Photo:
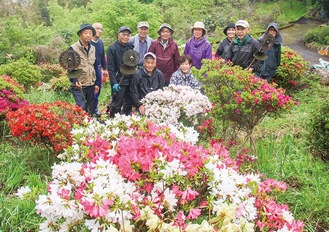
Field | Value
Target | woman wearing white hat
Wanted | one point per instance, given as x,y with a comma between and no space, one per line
198,47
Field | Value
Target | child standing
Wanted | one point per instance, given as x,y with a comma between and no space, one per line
270,65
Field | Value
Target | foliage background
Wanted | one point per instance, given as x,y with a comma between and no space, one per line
40,29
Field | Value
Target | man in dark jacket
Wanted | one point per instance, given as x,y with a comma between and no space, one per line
120,86
166,51
243,47
146,80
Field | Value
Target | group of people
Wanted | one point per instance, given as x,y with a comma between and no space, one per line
240,47
160,63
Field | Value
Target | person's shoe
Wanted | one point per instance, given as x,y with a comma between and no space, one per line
98,115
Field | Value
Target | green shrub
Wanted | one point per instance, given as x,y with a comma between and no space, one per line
22,71
319,35
319,131
60,84
291,70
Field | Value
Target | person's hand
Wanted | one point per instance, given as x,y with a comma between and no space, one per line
142,109
250,70
116,87
96,89
78,85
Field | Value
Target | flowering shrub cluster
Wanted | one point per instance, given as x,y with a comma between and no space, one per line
9,102
60,84
49,71
176,105
22,71
239,97
48,123
291,70
11,96
142,177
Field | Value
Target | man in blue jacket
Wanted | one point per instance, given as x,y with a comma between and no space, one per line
100,62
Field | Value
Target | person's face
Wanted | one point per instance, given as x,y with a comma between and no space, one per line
165,34
149,64
124,37
272,31
197,33
241,32
230,33
99,30
185,67
86,36
143,31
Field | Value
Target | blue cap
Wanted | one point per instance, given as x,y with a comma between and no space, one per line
124,28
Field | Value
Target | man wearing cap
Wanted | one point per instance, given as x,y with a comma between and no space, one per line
198,47
141,41
243,47
166,51
83,82
224,45
146,80
100,63
120,84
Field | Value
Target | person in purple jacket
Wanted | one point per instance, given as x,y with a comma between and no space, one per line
198,47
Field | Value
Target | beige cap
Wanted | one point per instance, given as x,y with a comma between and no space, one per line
242,23
143,24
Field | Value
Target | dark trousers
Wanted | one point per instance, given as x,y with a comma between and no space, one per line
85,98
121,99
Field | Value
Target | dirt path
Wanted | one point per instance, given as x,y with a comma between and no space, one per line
293,37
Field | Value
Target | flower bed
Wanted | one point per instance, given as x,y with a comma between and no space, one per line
129,174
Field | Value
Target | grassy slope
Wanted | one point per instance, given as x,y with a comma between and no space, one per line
283,154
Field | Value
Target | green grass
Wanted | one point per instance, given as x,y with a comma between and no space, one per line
284,154
280,11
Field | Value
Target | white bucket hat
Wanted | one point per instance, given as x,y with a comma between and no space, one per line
199,25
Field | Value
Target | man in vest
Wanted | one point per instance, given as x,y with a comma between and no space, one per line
83,84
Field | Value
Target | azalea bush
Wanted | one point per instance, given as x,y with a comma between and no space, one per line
11,96
240,100
176,105
292,69
49,71
22,71
48,124
60,84
138,176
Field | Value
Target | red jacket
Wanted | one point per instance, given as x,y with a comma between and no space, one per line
167,59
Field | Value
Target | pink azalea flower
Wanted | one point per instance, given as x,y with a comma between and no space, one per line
188,195
180,220
194,214
96,209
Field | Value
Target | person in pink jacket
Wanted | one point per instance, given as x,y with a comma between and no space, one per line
166,50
